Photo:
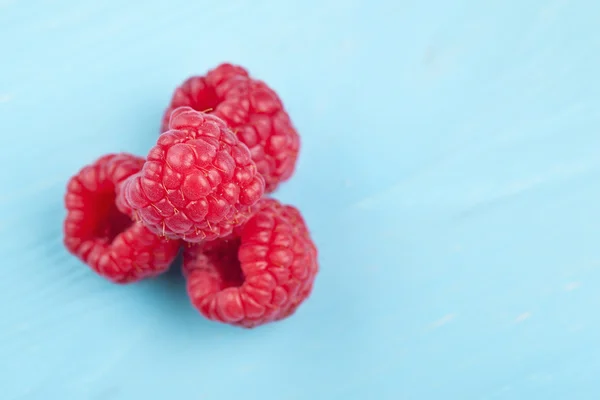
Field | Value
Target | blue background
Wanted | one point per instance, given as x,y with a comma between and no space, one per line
450,174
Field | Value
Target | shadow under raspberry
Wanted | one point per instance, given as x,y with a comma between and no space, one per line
169,295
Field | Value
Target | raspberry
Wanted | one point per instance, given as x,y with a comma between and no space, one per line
102,236
198,182
252,110
261,273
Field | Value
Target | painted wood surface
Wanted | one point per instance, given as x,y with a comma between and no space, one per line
450,173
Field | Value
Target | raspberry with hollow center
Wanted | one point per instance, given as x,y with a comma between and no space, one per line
252,110
102,236
198,182
259,274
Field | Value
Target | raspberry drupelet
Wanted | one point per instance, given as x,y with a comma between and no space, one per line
104,237
259,274
252,110
198,182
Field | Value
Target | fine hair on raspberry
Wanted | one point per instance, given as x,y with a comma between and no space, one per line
198,182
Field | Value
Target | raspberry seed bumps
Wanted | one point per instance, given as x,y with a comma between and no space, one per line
105,238
226,141
260,274
198,182
252,110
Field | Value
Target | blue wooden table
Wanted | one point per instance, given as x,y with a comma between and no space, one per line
450,174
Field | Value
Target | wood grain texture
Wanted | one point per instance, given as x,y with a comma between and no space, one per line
450,173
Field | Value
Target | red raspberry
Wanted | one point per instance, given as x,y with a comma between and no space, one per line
261,273
198,182
102,236
252,110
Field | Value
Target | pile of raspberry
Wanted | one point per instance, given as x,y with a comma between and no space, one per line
226,143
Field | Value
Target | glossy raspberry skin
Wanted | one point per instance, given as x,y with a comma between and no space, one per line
105,238
198,182
260,274
253,110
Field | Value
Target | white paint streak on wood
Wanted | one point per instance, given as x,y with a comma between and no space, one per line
523,317
572,286
443,321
